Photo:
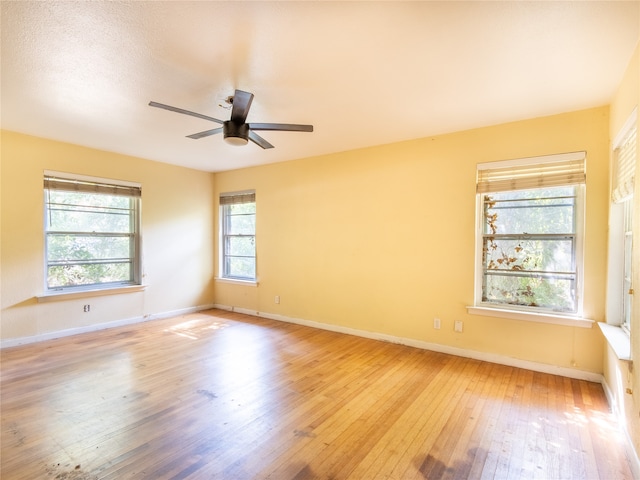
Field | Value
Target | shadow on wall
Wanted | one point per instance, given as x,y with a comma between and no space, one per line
29,302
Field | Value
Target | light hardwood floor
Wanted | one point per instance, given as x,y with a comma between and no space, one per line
221,395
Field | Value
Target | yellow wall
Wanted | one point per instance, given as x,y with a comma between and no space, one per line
620,375
177,237
382,239
378,239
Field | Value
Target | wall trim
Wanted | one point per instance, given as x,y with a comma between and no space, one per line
14,342
436,347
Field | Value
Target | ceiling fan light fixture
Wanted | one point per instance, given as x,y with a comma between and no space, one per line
236,141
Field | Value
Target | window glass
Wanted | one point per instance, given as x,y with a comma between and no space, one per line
92,239
238,232
529,248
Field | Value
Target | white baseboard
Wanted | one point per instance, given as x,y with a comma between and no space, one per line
14,342
436,347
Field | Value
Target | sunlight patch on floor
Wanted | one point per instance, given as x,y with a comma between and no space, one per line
196,328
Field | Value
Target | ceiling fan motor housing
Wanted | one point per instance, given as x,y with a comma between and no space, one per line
235,133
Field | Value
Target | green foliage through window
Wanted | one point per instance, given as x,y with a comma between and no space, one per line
91,238
529,248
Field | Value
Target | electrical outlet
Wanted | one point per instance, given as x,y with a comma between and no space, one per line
457,326
276,299
436,323
87,308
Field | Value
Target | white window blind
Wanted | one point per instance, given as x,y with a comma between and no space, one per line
85,186
536,172
624,157
237,198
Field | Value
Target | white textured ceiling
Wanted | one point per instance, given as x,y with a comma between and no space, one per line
363,73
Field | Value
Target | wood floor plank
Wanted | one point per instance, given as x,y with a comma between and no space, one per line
359,404
392,444
452,414
483,464
454,455
471,454
219,394
370,412
383,413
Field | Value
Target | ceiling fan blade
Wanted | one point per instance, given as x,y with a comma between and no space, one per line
241,104
186,112
287,127
206,133
258,140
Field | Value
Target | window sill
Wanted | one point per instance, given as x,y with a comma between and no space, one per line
618,340
233,281
56,296
532,317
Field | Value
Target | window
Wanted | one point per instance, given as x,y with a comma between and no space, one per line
620,288
238,236
92,233
627,286
530,234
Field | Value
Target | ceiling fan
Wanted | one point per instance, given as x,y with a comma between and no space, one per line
236,131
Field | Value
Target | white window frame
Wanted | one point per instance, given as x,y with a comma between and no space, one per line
627,270
245,196
619,283
136,241
525,312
